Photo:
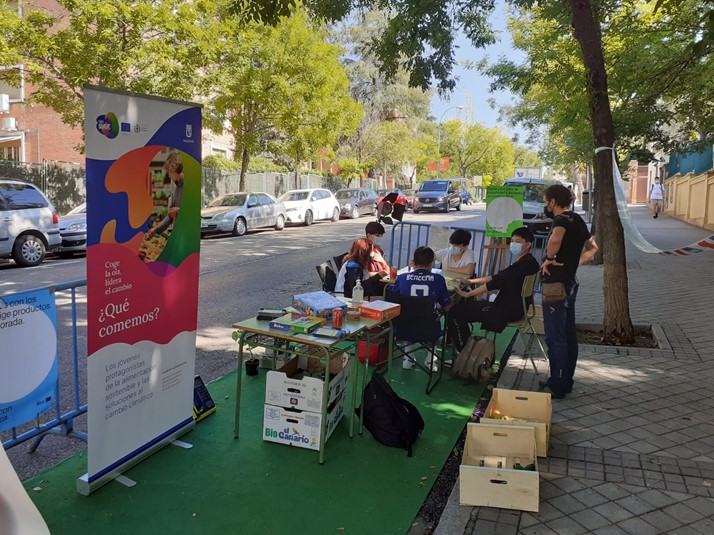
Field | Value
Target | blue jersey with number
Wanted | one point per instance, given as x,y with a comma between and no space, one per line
423,283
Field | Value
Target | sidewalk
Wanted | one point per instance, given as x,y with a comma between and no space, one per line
632,448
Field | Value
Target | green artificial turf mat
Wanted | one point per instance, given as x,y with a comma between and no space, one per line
248,486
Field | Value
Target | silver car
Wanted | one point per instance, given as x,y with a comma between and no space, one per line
239,212
355,202
28,223
73,229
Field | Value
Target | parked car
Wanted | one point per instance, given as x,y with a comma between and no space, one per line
303,206
238,213
73,230
28,223
533,189
401,198
438,195
410,195
355,202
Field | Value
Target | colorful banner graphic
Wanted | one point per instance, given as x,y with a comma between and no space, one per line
504,210
143,225
28,360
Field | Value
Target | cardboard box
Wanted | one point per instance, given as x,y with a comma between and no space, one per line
517,407
300,428
483,483
297,324
318,304
380,310
284,389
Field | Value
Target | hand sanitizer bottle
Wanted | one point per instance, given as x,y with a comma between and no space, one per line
357,294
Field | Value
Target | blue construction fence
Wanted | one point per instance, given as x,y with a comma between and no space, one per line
407,236
68,395
693,162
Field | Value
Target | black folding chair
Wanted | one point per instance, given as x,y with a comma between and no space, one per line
337,261
419,327
328,277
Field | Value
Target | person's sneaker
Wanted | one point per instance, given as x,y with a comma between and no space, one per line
407,364
656,216
434,365
544,387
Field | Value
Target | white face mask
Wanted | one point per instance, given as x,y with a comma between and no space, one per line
516,248
377,240
454,250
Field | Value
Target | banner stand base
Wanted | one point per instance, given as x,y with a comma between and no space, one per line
85,487
123,480
182,444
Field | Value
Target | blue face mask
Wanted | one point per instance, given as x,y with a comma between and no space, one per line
454,250
516,248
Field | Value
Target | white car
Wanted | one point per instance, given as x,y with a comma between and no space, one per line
304,206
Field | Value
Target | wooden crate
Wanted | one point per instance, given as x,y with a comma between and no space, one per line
523,408
483,483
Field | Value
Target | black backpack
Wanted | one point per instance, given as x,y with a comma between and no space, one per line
393,421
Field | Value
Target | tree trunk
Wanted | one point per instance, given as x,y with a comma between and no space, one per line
245,159
617,325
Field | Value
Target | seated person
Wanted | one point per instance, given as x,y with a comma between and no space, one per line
356,267
421,282
458,258
375,233
507,306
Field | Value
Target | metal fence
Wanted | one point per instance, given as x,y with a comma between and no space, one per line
65,184
217,182
407,236
60,423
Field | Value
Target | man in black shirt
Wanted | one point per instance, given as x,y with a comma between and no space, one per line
569,245
508,305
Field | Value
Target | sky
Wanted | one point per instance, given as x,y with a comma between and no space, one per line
474,86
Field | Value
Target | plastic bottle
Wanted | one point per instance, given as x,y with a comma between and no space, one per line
357,294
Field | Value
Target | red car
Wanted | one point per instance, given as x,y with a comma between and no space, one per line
401,198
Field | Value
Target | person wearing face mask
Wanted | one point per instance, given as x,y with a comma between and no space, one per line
508,306
375,233
569,245
458,258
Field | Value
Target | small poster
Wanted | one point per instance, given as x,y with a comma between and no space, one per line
28,360
504,210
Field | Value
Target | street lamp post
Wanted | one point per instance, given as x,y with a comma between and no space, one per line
438,142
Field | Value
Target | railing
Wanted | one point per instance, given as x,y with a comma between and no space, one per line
62,424
407,236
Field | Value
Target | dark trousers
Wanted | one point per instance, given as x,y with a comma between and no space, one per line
562,341
461,315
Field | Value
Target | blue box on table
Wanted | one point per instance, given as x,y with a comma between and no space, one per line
318,304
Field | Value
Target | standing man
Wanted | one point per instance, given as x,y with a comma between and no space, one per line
657,197
569,245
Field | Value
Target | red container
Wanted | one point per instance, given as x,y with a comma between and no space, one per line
337,318
393,273
378,352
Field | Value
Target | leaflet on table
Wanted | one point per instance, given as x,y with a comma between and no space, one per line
297,324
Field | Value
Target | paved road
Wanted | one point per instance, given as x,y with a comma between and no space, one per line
237,277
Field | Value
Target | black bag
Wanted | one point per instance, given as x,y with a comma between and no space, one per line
393,421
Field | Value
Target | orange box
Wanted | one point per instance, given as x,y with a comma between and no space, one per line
380,310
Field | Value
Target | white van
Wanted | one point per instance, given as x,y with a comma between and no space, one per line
28,223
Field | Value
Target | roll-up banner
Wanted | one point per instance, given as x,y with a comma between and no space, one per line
143,223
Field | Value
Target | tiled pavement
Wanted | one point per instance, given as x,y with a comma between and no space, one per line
632,448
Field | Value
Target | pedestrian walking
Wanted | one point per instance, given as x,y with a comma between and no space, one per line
656,197
569,245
